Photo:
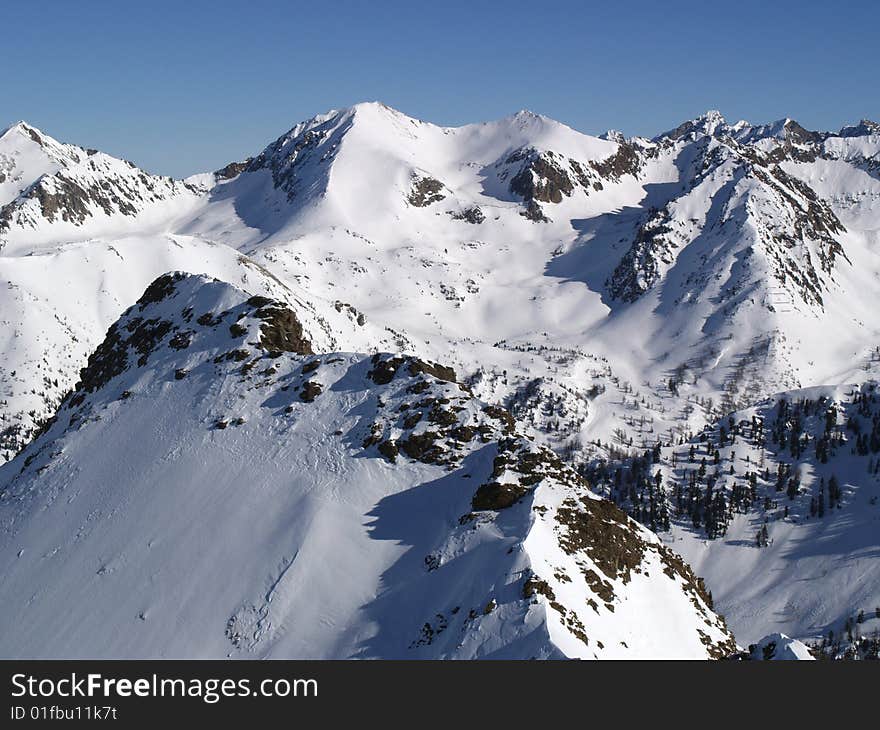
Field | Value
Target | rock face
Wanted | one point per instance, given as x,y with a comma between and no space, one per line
302,155
26,154
550,177
793,233
426,523
232,170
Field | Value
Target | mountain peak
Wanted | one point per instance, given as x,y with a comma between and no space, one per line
527,118
707,124
710,121
374,106
864,128
178,309
27,130
28,155
527,114
613,135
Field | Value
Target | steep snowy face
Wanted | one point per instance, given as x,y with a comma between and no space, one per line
369,164
26,154
253,499
739,207
740,267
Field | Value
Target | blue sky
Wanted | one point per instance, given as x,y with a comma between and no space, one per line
184,86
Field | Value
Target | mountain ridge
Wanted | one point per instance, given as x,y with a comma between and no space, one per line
512,555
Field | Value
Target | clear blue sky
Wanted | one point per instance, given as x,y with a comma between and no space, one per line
184,86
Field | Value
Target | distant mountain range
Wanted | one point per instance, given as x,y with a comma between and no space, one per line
614,302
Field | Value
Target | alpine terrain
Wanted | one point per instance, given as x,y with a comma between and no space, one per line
390,389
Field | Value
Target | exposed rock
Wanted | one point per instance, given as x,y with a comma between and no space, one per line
424,191
542,179
282,331
233,169
471,215
534,213
496,496
625,161
310,391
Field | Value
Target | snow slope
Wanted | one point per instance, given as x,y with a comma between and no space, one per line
252,499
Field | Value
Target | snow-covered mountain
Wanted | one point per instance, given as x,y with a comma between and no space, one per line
612,293
51,191
71,263
26,155
715,253
281,503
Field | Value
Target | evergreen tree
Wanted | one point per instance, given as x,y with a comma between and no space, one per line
834,492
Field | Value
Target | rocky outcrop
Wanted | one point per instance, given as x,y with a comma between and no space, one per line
425,191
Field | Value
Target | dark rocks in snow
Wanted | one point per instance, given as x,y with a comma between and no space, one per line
160,289
534,213
471,215
282,331
542,179
441,372
389,450
424,447
602,530
236,330
310,391
385,368
425,191
497,496
626,161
